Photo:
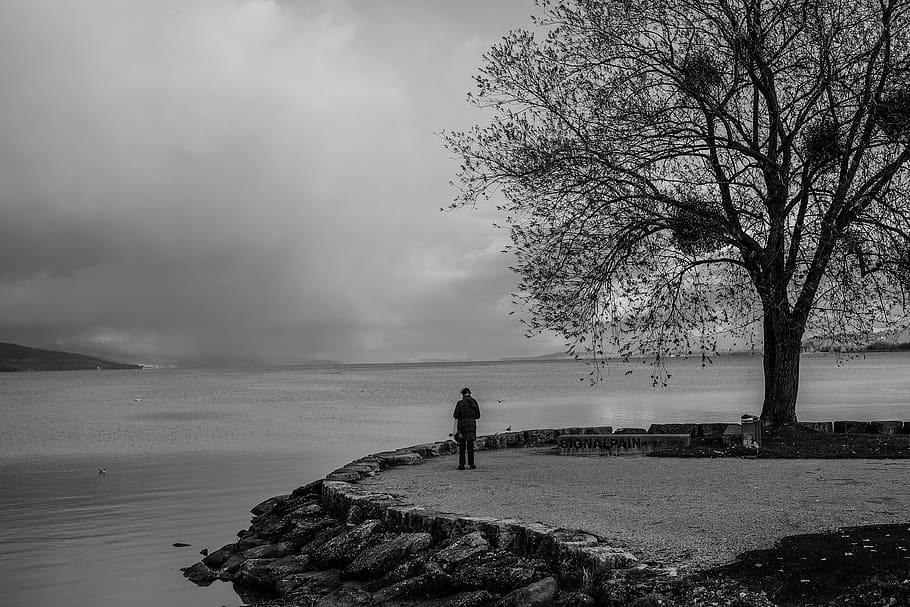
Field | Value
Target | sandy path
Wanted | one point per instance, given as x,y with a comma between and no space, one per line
689,512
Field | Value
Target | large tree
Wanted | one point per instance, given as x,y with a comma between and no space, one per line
673,170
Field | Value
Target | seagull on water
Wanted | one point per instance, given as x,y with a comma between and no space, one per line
102,471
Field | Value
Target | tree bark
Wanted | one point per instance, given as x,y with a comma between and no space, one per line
783,339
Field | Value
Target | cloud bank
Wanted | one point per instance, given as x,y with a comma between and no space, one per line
246,181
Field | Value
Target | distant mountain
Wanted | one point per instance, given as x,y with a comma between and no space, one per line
881,340
22,358
550,356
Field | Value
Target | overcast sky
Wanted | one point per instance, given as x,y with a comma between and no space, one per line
193,180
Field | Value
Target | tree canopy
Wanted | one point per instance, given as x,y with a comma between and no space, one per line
675,170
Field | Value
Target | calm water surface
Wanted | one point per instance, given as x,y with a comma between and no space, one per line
188,452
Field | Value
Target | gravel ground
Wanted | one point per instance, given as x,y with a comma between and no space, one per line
692,513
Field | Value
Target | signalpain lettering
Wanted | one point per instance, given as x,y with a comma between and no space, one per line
602,443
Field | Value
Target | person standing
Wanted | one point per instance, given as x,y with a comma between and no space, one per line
467,411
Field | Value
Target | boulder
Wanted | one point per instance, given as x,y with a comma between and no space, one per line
434,582
408,569
267,551
346,597
462,549
313,583
305,531
428,450
344,548
498,571
200,574
252,571
271,526
575,599
354,516
268,572
313,489
477,598
321,537
343,475
216,559
379,559
268,505
652,599
390,459
541,592
250,541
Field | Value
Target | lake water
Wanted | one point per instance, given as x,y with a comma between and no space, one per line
188,452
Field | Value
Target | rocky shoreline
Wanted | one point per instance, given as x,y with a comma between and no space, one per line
335,543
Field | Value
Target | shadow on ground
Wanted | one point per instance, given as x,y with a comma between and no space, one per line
867,565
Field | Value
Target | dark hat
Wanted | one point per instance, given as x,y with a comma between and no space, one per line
465,391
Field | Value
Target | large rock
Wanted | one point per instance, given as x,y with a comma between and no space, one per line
575,599
476,598
251,571
346,597
200,574
323,536
431,584
408,569
498,571
266,507
377,560
267,551
305,531
299,586
267,572
216,559
271,527
342,549
539,593
390,459
462,549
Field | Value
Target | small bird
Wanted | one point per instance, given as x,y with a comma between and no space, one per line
509,429
102,471
204,552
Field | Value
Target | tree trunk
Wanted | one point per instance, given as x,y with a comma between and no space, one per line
781,361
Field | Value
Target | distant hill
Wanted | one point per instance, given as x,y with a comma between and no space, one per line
884,340
22,358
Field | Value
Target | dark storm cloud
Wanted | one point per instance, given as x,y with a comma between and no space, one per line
245,180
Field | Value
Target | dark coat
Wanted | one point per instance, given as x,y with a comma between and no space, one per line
467,411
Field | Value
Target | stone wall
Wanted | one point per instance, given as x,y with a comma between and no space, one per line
332,542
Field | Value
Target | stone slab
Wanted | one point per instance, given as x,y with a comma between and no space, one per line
851,427
825,427
619,444
885,427
690,429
